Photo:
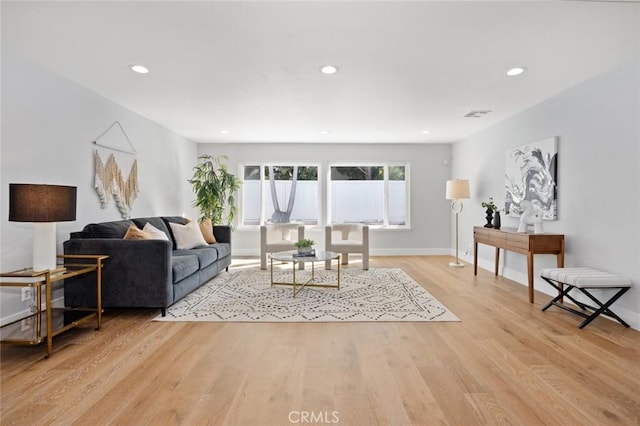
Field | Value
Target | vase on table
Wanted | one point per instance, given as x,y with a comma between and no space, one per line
496,220
489,218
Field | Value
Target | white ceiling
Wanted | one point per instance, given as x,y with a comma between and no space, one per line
252,68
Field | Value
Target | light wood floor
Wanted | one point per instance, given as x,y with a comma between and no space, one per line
504,363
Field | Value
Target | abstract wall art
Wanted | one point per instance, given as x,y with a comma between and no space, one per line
531,173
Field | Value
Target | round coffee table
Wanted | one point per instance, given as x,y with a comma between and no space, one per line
292,256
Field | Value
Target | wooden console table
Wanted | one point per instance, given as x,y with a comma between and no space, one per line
518,242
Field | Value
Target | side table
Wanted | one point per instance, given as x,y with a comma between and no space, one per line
29,330
290,256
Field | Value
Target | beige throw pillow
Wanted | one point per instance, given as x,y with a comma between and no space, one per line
135,233
207,231
187,236
155,233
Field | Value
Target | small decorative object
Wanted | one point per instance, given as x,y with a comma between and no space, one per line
496,220
305,247
490,207
530,216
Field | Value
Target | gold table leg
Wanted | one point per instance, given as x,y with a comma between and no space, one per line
295,293
297,287
49,313
99,292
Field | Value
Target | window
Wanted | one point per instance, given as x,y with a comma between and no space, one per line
280,194
374,194
370,194
397,195
251,196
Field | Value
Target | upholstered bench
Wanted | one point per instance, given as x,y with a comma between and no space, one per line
585,279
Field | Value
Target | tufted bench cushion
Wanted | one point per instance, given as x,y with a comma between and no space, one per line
585,279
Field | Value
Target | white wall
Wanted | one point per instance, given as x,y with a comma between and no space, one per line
48,125
598,125
429,211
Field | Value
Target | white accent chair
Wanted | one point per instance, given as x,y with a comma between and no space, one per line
279,237
347,238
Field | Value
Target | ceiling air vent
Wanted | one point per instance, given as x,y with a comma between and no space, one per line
478,113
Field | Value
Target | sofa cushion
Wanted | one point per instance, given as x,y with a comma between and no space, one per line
135,233
183,266
187,236
173,219
223,249
116,229
155,233
206,255
207,231
156,222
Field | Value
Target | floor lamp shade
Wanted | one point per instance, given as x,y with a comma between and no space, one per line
44,205
457,190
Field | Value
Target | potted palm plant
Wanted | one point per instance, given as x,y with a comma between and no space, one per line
215,190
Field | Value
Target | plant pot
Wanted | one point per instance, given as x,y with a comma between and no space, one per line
304,251
496,220
489,218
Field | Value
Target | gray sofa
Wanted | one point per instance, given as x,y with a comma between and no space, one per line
143,273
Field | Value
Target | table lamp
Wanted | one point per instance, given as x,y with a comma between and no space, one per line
43,205
457,190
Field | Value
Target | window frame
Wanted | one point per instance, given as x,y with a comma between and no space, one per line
385,196
263,165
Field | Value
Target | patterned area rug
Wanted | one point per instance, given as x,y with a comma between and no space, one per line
247,296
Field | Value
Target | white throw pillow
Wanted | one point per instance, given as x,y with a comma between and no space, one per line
155,233
187,236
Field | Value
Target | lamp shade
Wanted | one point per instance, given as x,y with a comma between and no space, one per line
457,189
42,203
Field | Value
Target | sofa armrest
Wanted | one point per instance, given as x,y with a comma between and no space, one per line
137,274
222,233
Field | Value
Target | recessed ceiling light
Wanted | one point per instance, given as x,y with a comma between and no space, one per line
329,69
224,132
325,132
516,71
425,132
140,69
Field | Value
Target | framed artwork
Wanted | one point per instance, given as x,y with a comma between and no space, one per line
531,173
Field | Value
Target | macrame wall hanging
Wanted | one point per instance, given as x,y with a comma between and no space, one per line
109,180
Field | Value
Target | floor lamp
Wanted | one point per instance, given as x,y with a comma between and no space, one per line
457,190
44,205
